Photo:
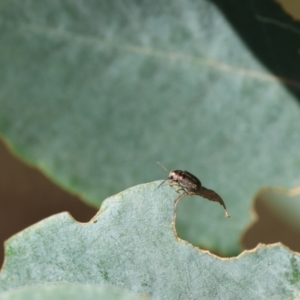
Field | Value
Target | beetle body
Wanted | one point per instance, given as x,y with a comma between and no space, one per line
186,181
191,185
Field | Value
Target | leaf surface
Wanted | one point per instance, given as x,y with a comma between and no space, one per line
63,291
131,244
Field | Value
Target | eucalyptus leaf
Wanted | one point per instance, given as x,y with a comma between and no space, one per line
64,291
95,92
131,244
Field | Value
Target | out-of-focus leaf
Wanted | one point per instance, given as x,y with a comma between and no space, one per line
131,244
65,291
95,92
270,33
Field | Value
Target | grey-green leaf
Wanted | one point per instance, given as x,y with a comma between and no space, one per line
67,291
131,244
95,92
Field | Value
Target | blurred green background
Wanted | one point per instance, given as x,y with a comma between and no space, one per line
27,196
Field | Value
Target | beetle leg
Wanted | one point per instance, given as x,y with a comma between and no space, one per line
179,198
179,188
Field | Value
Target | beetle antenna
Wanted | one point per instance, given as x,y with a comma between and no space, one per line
164,169
162,166
162,182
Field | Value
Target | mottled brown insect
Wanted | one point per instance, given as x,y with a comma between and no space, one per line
191,185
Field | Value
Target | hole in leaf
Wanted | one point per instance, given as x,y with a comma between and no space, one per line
27,196
271,226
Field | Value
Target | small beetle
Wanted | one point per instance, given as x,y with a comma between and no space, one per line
191,185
